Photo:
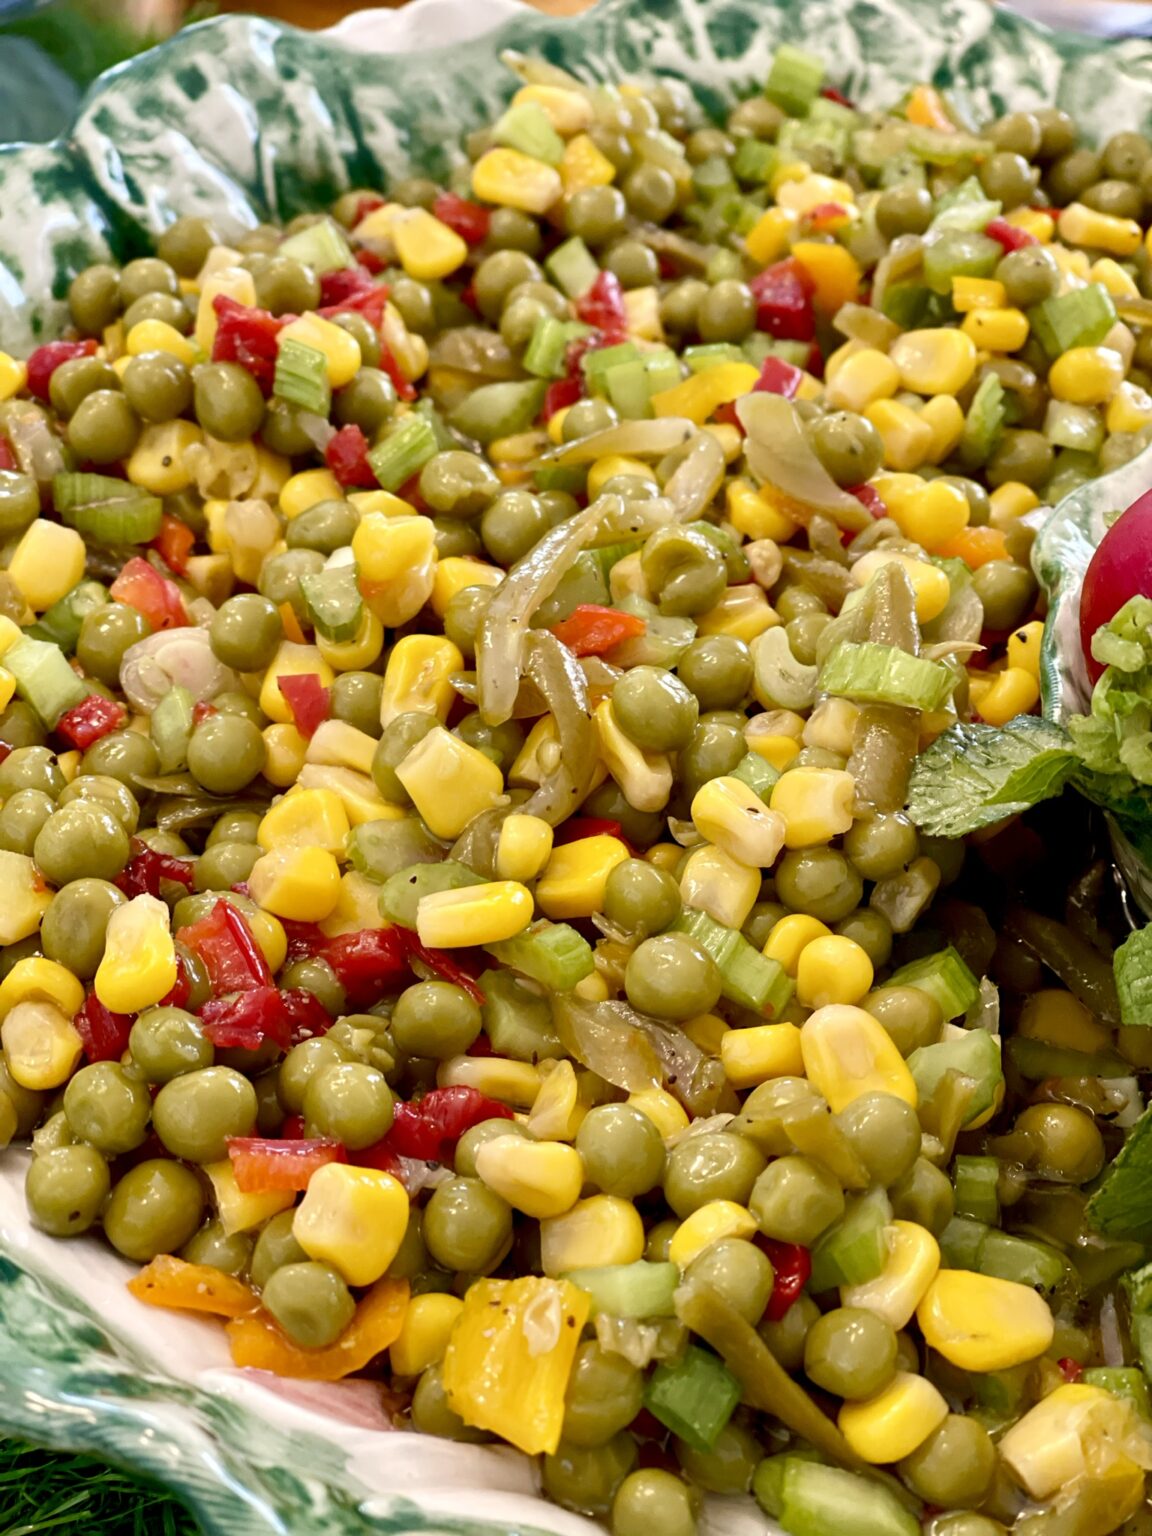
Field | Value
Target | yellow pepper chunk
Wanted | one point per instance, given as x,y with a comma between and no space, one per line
510,1355
354,1219
302,884
47,563
540,1178
514,180
981,1323
139,964
240,1212
938,361
833,269
13,376
768,238
699,396
847,1054
574,878
896,1421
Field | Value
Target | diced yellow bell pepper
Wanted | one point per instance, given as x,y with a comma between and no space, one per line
769,237
13,376
698,396
240,1212
1058,1018
833,269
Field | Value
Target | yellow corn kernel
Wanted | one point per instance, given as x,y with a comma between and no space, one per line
665,1112
732,815
603,1229
1074,266
41,1047
537,757
770,236
832,970
645,778
1052,1445
424,1333
568,111
523,847
584,165
939,361
1034,221
1086,375
307,488
340,348
802,194
1129,410
356,792
157,336
240,1212
777,750
907,439
1079,225
417,679
540,1178
112,338
359,653
555,427
396,557
743,612
26,897
642,314
815,803
832,725
972,293
752,1056
789,938
791,170
291,660
697,396
755,514
234,282
298,883
477,914
981,1323
7,689
211,576
713,881
911,1265
593,988
449,781
574,878
428,250
1024,647
1015,692
36,980
997,330
378,501
284,753
707,1030
10,632
357,906
930,514
863,378
707,1225
139,964
514,180
558,1112
457,572
352,1218
1114,279
929,582
946,419
896,1421
1010,501
847,1054
310,818
616,464
47,563
512,1082
1058,1018
13,376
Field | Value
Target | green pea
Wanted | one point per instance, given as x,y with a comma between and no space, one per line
400,735
1067,1142
672,977
715,749
655,708
683,570
1007,591
728,1467
717,669
650,192
1072,174
235,827
820,882
165,307
280,576
76,379
282,431
1008,178
147,275
954,1467
795,1200
227,401
904,209
475,1137
349,1102
275,1247
871,930
727,312
31,768
19,503
229,1252
431,1414
21,818
586,1478
327,526
185,244
105,427
737,1271
27,1102
850,1352
680,306
310,1302
640,898
94,299
167,1042
1058,132
634,263
605,1393
157,386
155,1208
654,1500
435,1018
623,1151
467,1226
107,1108
501,743
105,634
81,840
786,1337
224,865
596,215
225,752
848,446
511,230
910,1016
512,525
301,1064
1118,199
124,755
195,1114
65,1189
881,845
497,275
924,1195
711,1165
455,539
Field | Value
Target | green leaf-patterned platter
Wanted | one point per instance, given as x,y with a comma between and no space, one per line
245,120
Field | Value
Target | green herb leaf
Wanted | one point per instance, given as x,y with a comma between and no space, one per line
975,775
1120,1206
1132,966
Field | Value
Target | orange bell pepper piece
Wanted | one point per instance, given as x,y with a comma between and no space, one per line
292,630
257,1341
926,109
975,546
171,1282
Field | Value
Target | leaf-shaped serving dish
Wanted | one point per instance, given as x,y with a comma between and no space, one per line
246,120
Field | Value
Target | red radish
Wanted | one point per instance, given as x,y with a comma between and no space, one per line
1121,568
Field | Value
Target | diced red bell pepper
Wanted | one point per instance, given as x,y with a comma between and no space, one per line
778,378
468,297
783,294
304,939
469,220
791,1266
8,459
869,498
264,1166
559,395
142,587
174,543
307,1015
202,710
92,718
430,1129
347,457
344,284
1008,235
592,629
244,1020
293,1128
370,261
379,1156
105,1034
603,306
43,363
830,93
362,296
405,389
248,336
307,698
178,994
449,967
1070,1369
368,964
142,875
366,205
223,941
577,827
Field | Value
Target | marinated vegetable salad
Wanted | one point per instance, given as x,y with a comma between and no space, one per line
464,660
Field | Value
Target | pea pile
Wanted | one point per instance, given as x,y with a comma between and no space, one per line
462,657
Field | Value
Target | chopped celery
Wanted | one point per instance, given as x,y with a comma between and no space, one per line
961,1242
572,267
943,976
595,364
528,128
517,1019
975,1180
794,80
1074,426
757,772
545,353
975,1055
905,303
405,450
1036,1060
553,954
854,1250
44,680
748,977
302,377
62,622
400,894
1080,318
378,849
106,510
498,410
1122,1381
170,729
939,146
320,246
711,353
712,178
871,673
969,1244
333,603
971,217
561,477
637,1290
754,160
628,388
426,407
800,136
954,253
694,1397
663,642
818,1500
760,345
